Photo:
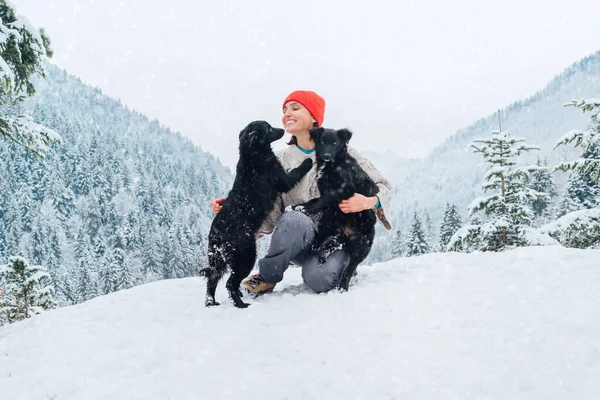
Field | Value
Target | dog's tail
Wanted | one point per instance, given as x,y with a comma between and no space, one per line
209,273
216,266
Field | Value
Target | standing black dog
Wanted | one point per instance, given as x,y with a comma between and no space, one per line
232,239
339,176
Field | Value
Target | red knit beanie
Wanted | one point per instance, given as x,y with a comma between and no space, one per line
314,103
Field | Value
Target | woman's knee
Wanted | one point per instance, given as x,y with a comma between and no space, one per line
294,219
323,278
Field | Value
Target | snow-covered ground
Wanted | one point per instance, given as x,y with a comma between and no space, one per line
524,324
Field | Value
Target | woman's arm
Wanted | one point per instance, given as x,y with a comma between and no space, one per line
358,202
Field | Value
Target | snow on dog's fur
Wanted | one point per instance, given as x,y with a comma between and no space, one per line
259,178
339,177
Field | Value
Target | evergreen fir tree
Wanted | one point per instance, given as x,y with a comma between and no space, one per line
417,243
507,199
581,192
24,51
124,277
2,240
26,211
397,245
588,165
27,292
108,275
542,182
84,283
429,230
451,223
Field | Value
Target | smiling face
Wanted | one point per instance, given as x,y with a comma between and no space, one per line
296,118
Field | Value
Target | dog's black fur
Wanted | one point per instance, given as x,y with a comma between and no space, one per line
339,176
259,179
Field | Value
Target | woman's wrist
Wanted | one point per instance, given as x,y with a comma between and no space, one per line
372,202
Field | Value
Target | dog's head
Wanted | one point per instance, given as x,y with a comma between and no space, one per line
329,143
257,136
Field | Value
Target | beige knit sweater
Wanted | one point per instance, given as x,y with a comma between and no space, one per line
307,189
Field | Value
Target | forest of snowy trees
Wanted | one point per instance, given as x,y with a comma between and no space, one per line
121,202
520,204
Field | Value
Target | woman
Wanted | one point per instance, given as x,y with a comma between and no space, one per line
293,231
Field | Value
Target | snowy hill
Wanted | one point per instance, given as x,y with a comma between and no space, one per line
516,325
452,172
123,201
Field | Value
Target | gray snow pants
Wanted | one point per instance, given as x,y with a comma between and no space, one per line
291,241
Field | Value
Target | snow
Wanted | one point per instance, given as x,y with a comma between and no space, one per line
579,217
521,324
36,277
537,238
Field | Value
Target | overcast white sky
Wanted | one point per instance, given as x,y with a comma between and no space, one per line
404,75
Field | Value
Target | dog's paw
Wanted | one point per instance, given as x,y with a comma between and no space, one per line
297,207
307,163
343,285
342,288
241,304
311,210
211,303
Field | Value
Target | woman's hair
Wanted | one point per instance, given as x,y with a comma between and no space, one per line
293,139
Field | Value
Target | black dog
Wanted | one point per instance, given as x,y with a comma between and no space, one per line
259,179
339,176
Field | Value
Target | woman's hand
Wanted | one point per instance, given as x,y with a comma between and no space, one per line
358,203
217,204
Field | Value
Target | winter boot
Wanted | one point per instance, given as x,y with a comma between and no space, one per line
256,285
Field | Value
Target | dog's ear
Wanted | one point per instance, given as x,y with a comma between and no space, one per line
345,135
250,134
316,133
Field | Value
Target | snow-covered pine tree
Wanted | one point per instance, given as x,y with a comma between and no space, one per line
542,182
397,245
2,240
430,234
107,275
507,199
417,243
25,210
26,290
579,229
102,140
150,256
589,141
579,222
581,192
84,283
124,277
23,50
450,224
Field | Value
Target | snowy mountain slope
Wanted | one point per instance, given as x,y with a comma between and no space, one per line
515,325
451,172
123,201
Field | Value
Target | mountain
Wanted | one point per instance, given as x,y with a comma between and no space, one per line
453,173
518,324
123,201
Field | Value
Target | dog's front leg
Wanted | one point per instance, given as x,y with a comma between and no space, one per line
287,180
302,207
328,246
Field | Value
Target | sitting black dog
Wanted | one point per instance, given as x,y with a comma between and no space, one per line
232,239
339,176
